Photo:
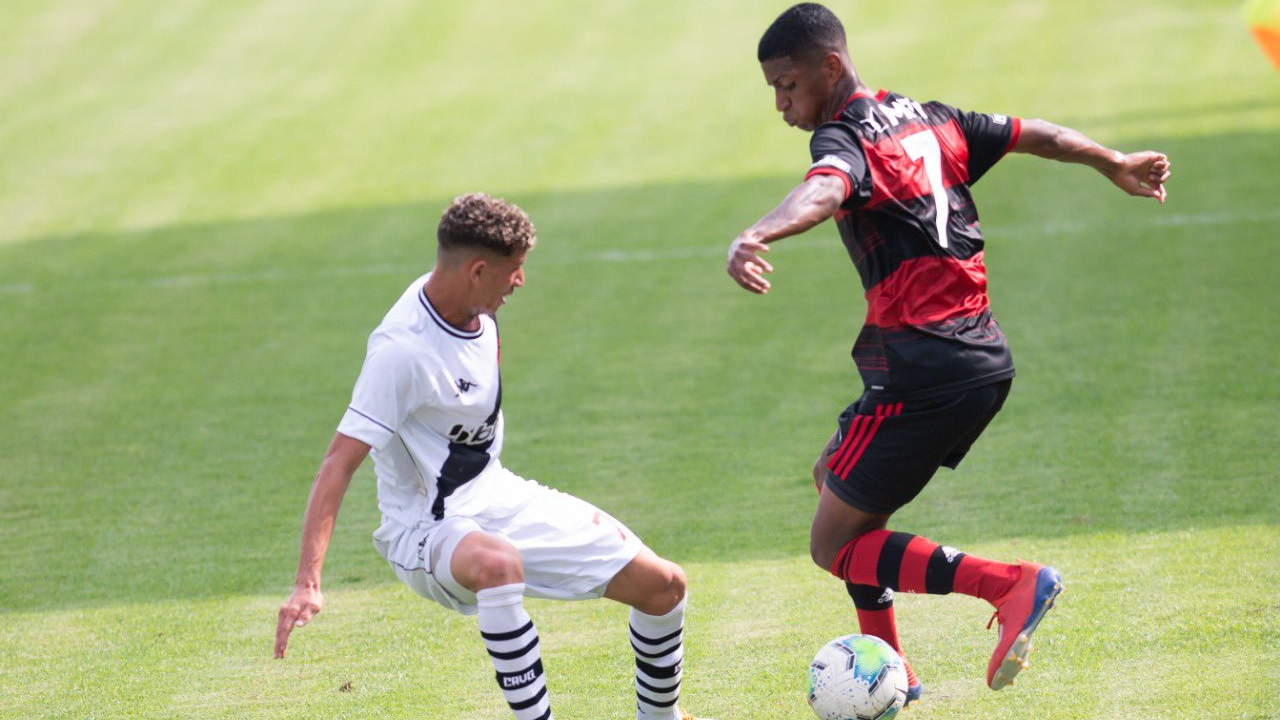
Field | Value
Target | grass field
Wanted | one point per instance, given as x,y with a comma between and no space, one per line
206,206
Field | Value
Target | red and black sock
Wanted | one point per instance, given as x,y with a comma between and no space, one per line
875,617
910,563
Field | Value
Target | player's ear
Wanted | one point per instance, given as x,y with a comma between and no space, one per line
832,67
476,268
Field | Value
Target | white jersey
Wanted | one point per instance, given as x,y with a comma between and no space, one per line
429,403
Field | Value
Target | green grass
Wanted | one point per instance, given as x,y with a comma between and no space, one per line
205,207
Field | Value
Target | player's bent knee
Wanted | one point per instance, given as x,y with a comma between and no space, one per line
677,585
486,562
822,555
673,585
652,585
819,472
492,569
669,585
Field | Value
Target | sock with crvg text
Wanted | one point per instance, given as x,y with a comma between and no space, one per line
658,641
512,642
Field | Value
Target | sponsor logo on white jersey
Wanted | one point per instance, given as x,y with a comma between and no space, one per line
472,436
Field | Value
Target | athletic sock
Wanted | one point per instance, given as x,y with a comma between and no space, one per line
910,563
876,617
512,642
658,641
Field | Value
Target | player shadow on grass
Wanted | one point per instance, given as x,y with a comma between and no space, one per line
169,391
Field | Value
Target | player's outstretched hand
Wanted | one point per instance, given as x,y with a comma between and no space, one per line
301,606
746,267
1143,174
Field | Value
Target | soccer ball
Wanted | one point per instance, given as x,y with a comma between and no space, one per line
857,677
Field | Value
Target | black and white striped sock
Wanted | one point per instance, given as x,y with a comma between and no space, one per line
512,642
659,645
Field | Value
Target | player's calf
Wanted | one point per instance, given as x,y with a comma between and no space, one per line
512,642
655,590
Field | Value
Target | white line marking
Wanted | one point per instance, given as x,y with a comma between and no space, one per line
639,255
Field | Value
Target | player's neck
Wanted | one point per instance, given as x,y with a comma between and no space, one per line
845,87
450,301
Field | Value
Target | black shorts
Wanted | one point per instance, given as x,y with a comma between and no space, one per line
888,451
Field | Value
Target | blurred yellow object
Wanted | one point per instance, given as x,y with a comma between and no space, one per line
1263,17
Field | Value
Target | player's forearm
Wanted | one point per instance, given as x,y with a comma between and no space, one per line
811,202
322,513
1055,142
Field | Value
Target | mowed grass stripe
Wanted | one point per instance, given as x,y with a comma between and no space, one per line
632,254
216,662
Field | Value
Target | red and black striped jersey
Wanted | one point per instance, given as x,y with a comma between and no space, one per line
910,226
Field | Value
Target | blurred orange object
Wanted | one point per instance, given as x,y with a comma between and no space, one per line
1263,17
1269,39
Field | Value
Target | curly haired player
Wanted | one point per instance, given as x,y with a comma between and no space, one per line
458,527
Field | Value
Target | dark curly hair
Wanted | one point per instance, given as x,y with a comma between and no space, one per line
802,33
478,221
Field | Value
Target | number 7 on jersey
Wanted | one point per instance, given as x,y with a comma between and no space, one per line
924,146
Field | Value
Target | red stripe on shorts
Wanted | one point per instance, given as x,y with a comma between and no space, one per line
882,412
862,446
847,459
856,428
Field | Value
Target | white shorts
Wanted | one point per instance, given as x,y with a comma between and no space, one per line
569,548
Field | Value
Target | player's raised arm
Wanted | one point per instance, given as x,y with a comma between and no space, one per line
811,202
340,462
1141,173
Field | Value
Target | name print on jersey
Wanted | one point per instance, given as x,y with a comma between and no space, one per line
895,112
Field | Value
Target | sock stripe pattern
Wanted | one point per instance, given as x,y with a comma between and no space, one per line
870,597
889,566
876,617
900,561
658,642
512,643
507,635
940,577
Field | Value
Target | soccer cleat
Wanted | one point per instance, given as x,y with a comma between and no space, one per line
914,687
913,693
1019,611
685,715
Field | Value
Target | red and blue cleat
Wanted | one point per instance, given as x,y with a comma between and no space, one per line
913,693
1020,611
914,686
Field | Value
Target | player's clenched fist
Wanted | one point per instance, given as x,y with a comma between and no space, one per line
295,612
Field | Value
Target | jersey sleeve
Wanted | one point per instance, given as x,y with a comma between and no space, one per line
835,150
392,384
989,137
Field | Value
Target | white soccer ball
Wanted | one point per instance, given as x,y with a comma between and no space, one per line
857,677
